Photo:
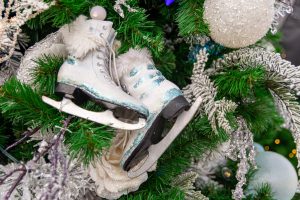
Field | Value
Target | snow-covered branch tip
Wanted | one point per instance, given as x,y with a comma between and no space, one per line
202,86
23,10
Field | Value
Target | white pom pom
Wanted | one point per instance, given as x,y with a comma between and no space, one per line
98,12
238,23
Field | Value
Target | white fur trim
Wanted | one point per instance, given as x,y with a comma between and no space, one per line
77,37
130,59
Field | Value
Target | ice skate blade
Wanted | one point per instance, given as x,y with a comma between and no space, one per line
105,117
155,151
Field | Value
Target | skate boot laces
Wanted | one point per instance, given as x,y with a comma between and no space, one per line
112,57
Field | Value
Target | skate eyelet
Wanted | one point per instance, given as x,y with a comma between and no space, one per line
104,28
101,34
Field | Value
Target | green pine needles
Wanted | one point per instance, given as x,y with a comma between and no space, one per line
190,18
46,74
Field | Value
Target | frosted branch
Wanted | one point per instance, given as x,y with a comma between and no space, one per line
202,86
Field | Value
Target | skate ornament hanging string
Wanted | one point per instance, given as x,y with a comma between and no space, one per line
16,13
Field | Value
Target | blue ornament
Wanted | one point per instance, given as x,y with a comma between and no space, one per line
169,2
211,47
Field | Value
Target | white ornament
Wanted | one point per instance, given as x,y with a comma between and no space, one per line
258,147
98,12
238,23
278,172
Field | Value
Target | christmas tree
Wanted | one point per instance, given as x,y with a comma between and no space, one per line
186,99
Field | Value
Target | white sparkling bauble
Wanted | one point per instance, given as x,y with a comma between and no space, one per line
278,172
98,12
238,23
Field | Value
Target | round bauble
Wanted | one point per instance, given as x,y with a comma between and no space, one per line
98,12
258,147
278,172
238,23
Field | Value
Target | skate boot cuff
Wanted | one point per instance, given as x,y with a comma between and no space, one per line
79,36
134,57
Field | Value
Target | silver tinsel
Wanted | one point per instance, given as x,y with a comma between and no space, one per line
241,149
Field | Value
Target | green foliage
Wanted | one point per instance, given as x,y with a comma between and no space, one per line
166,64
248,88
275,40
217,193
236,84
190,18
23,105
181,76
134,30
263,192
162,193
87,140
260,193
46,73
260,113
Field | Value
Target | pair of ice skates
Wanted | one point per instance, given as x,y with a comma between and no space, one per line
128,86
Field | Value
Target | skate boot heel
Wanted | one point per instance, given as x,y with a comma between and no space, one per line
175,108
71,92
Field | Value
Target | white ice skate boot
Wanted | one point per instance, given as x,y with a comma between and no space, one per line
88,75
163,99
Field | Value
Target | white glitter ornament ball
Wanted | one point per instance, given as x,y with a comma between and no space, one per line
98,12
238,23
278,172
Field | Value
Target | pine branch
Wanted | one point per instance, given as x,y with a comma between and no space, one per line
190,18
237,84
283,79
21,104
136,31
88,139
45,74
